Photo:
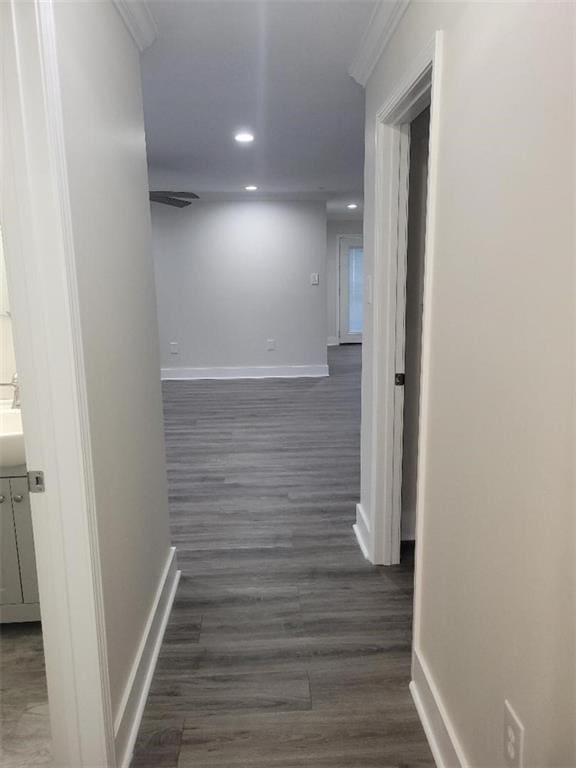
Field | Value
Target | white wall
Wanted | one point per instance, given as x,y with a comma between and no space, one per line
497,552
232,275
335,228
7,358
104,131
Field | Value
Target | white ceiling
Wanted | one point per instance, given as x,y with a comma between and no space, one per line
278,67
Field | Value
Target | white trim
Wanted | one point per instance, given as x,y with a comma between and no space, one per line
376,37
440,733
40,258
338,248
426,353
245,372
411,94
361,529
136,691
414,91
333,341
362,517
393,534
360,538
19,612
140,22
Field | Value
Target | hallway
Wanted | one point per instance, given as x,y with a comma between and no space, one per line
284,647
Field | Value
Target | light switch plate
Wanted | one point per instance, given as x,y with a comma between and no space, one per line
315,278
174,348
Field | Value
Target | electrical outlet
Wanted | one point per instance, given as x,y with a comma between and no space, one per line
174,348
513,737
270,345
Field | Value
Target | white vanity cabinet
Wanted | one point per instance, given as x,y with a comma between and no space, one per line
18,580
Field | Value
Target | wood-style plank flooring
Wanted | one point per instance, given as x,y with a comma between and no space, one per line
24,719
285,647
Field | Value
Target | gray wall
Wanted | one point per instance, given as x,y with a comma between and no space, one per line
497,581
232,275
106,157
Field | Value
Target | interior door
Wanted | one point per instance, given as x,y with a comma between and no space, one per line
351,290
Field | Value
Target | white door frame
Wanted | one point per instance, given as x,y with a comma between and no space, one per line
345,241
38,245
419,88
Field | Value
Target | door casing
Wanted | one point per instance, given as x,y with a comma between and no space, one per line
418,88
37,232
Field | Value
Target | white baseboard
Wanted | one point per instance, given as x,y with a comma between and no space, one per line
444,743
133,701
19,612
362,530
333,341
245,372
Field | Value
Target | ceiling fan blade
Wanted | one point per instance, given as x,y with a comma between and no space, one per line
187,195
157,198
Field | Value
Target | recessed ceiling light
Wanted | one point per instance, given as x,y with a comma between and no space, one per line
244,137
251,188
352,206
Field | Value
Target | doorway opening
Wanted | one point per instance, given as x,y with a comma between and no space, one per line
351,289
413,307
411,111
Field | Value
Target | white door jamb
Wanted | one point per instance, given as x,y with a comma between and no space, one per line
418,88
38,243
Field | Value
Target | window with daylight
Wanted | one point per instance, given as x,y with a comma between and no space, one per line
356,289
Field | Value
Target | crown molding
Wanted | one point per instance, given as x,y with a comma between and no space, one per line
376,37
138,18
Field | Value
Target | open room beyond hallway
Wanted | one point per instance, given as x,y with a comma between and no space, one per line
281,632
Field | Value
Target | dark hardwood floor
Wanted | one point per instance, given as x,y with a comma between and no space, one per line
285,647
